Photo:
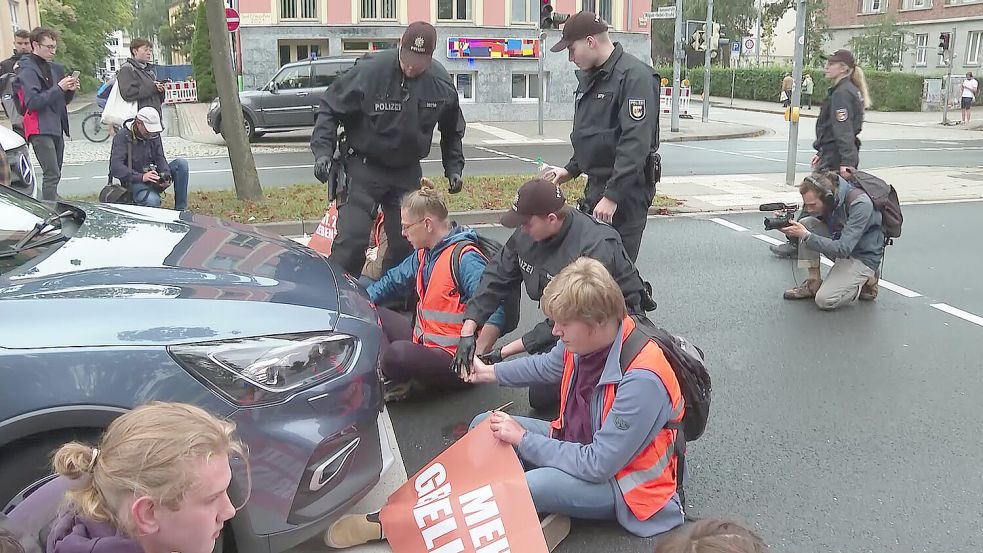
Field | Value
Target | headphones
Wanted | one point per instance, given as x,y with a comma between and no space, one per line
825,192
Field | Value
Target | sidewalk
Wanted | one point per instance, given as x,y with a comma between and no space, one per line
194,127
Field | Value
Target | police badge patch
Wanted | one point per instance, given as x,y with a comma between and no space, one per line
636,108
841,115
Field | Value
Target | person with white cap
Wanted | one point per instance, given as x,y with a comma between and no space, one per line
137,160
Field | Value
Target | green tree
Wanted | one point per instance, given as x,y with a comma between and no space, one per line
148,17
816,27
878,47
736,17
85,27
201,57
176,36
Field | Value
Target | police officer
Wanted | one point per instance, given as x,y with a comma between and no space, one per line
615,128
838,127
389,104
549,236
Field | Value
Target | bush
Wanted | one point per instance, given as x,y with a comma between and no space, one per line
889,91
201,58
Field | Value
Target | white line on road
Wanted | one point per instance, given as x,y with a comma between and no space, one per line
769,239
898,289
511,156
741,154
955,312
728,224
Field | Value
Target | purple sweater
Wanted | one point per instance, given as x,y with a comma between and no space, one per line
74,534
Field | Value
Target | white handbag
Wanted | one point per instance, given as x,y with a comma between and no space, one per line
117,109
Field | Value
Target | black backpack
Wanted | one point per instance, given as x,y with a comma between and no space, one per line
885,199
489,249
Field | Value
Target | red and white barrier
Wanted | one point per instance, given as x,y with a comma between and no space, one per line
665,100
180,92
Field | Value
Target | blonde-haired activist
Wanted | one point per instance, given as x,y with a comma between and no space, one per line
156,483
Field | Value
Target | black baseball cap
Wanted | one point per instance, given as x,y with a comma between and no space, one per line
536,197
580,25
843,56
418,44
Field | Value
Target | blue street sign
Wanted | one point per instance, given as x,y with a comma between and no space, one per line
735,47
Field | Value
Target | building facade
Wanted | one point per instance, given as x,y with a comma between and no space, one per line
488,46
922,21
16,15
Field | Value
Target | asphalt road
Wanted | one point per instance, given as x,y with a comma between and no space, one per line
849,431
724,157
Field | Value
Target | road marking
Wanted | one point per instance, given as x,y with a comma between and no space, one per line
501,153
769,239
955,312
506,136
728,224
741,154
943,142
898,289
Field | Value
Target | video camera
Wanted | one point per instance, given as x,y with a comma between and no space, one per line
779,221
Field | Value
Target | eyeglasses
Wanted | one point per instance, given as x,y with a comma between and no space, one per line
411,225
49,47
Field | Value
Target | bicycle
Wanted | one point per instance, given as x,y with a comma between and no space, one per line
93,129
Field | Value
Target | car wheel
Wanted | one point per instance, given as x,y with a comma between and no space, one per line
26,464
248,125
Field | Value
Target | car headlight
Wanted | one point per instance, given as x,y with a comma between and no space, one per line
268,369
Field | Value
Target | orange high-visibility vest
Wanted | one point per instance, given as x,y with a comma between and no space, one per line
648,481
440,311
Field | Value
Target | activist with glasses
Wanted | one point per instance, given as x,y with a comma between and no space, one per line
155,483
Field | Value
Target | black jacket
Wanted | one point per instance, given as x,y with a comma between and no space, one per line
145,152
46,102
390,119
139,84
616,124
841,119
7,65
524,260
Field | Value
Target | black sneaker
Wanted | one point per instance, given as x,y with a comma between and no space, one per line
788,249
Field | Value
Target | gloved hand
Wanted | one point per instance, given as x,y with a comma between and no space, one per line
322,167
465,354
456,184
492,357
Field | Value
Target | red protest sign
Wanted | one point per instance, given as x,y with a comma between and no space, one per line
472,498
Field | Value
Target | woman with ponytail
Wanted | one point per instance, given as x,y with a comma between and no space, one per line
156,483
841,117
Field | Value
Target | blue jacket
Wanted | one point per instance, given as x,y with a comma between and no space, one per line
854,231
401,279
47,101
641,404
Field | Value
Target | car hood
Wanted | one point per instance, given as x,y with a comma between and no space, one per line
122,257
9,139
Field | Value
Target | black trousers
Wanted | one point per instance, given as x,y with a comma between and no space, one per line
371,186
402,359
631,216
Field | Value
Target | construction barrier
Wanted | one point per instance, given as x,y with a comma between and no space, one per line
665,100
180,92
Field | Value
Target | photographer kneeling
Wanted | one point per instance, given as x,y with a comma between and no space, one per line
137,161
850,234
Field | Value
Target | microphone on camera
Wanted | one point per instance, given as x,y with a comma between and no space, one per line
775,206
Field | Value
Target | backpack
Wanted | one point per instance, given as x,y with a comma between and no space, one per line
885,199
116,192
10,99
489,248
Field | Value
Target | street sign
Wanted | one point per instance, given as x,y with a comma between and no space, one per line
664,12
231,19
735,48
749,44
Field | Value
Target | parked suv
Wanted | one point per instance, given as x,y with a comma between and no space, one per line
289,101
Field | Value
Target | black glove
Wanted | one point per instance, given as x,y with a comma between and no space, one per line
492,357
456,184
322,168
648,302
464,356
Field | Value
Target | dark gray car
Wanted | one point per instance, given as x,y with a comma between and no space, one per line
114,306
289,101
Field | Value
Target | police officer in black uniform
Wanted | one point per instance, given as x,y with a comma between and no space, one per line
615,128
389,104
549,236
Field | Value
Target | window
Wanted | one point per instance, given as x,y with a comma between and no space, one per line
973,48
454,10
14,8
465,84
525,11
300,50
298,9
916,4
354,46
294,77
244,241
525,86
600,7
921,50
378,9
326,73
870,6
114,41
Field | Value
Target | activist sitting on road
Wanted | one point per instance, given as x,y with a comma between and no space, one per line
711,536
549,236
849,233
137,161
156,483
610,454
418,356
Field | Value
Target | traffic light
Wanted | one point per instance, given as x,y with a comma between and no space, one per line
548,19
700,40
944,43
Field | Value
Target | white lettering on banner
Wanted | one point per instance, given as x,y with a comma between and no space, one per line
478,506
429,479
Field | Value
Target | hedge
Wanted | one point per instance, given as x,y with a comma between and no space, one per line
889,91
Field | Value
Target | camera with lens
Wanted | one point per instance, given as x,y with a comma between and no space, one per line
779,221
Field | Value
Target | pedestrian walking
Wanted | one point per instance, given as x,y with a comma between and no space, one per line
786,95
22,47
807,90
389,104
970,87
45,93
615,129
136,79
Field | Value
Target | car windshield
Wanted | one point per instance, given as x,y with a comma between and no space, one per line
298,76
19,214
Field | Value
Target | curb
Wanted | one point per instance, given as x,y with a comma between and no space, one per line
762,110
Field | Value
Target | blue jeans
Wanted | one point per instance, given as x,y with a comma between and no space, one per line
148,195
554,491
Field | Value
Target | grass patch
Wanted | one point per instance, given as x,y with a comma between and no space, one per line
308,201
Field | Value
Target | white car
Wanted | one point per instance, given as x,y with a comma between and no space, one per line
21,170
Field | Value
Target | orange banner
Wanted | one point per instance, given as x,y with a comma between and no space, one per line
324,236
472,498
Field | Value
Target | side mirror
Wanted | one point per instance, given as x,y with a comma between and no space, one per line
274,88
